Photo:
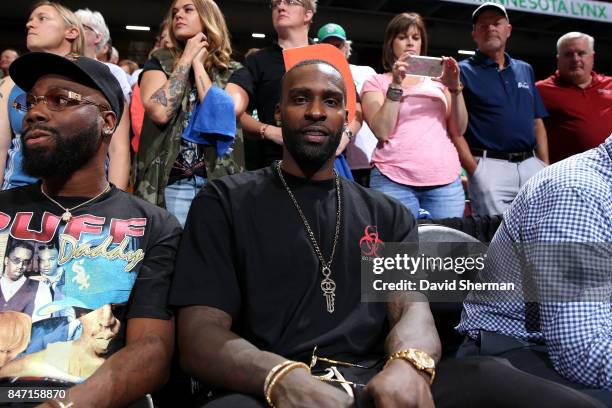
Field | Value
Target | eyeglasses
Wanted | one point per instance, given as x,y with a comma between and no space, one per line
90,28
275,3
19,261
56,100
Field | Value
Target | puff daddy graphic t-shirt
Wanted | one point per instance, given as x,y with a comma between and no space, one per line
68,288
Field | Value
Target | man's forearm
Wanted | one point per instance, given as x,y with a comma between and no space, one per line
212,353
132,372
227,361
412,326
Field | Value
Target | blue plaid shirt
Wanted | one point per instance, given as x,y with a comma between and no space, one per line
568,202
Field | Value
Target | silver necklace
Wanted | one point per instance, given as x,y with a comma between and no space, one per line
67,215
328,286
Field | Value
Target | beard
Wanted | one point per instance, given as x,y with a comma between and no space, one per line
310,156
69,154
492,44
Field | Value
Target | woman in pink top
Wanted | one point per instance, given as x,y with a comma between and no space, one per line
413,119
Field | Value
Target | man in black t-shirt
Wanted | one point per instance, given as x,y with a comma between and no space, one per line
108,312
268,274
269,269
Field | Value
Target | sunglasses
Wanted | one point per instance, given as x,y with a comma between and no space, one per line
56,100
330,372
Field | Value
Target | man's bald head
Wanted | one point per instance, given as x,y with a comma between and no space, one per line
325,67
312,112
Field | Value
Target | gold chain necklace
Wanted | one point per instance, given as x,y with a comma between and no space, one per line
328,286
67,215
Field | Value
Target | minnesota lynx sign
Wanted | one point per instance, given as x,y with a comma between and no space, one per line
583,9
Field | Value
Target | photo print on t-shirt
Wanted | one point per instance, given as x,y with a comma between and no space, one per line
63,291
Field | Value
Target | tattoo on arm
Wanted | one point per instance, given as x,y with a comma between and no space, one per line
160,97
176,87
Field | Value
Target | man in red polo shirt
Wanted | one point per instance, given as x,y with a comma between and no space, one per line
578,100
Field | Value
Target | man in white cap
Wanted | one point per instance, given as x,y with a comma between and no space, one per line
505,141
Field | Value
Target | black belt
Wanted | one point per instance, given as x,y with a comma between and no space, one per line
514,157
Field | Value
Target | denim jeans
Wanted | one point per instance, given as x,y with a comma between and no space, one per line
180,194
444,201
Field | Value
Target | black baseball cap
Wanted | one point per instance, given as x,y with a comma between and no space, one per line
27,69
489,6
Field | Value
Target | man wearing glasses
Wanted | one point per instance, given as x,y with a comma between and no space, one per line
19,293
116,251
257,85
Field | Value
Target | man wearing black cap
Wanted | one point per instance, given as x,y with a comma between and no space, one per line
505,142
117,251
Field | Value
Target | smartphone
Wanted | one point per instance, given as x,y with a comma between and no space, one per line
424,66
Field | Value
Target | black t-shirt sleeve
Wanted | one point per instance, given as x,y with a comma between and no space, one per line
149,297
205,273
246,76
151,65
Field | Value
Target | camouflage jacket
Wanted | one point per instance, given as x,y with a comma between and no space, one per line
159,145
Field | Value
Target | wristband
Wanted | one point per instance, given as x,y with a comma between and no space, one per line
394,94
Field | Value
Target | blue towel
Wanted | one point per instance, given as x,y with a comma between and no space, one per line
342,167
213,122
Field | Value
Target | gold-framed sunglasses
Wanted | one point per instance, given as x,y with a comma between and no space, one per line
314,359
56,100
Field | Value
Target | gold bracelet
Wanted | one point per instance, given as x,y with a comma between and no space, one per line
281,373
273,372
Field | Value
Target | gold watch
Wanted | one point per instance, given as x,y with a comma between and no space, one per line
419,360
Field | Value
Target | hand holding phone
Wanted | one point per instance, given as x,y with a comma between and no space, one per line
424,66
399,69
450,73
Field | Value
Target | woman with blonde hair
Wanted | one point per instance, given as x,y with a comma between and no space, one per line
52,28
414,118
172,163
